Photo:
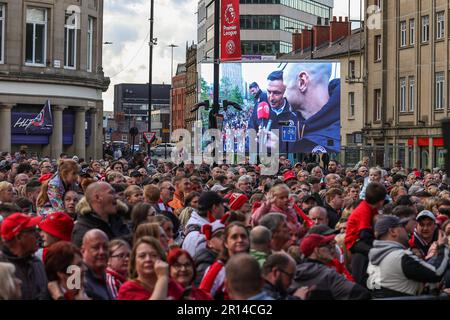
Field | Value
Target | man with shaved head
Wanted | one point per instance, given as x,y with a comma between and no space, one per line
102,200
95,256
316,100
243,278
260,239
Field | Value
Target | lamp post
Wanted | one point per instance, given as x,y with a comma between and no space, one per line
172,46
171,61
151,43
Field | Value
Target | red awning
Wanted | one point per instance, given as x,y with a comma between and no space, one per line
425,142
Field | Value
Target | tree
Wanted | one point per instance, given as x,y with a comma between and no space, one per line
236,95
225,89
205,88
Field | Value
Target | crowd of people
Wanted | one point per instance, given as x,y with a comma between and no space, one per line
139,229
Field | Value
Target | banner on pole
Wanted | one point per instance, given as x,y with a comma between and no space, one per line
230,35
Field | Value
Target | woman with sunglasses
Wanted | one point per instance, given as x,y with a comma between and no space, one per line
116,272
182,270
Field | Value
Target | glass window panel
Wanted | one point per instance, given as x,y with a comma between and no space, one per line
29,43
36,14
1,39
39,44
71,48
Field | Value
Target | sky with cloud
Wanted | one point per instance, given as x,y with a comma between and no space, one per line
126,25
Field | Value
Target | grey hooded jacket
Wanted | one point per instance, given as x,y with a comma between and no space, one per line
395,268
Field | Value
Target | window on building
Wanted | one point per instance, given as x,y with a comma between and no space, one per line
265,47
351,104
378,48
377,105
90,42
210,10
402,95
70,42
439,94
412,84
36,37
351,69
425,28
403,33
440,26
2,33
412,31
210,33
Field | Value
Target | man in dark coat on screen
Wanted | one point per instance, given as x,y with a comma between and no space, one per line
316,101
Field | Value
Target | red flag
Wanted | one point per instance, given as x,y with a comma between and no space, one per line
230,35
309,222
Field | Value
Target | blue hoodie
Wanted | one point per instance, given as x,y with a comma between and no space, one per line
322,132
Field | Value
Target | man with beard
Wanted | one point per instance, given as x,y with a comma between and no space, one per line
278,272
394,271
316,102
279,111
258,95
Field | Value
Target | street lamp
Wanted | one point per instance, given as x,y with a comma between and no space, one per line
151,43
172,46
108,42
171,63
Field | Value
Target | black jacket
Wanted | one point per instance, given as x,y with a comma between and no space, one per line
329,283
333,216
277,294
96,288
321,132
286,115
114,229
30,270
203,259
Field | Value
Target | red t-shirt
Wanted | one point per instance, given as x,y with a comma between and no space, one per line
132,290
360,219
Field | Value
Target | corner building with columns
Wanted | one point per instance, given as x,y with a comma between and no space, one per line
52,50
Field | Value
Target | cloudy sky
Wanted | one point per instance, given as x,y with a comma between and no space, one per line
126,25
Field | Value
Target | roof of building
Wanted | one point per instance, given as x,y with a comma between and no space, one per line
339,48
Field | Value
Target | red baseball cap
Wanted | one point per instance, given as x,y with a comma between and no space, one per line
289,175
16,223
312,241
58,225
